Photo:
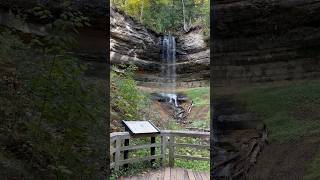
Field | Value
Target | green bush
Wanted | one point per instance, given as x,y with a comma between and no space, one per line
52,117
126,99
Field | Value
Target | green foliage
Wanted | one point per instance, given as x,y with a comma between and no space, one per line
135,169
167,15
290,111
192,164
314,171
126,99
63,28
201,124
50,111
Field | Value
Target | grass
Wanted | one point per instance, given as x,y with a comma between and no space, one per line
134,169
202,124
200,96
288,110
291,111
192,164
201,99
314,171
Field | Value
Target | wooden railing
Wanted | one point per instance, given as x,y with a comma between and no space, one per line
120,147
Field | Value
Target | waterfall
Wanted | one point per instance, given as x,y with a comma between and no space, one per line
168,67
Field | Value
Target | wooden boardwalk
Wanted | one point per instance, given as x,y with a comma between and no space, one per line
171,174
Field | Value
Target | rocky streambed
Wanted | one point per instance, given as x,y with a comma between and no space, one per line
177,105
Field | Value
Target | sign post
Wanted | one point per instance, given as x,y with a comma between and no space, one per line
136,128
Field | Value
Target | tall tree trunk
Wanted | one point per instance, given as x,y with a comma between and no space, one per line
141,12
184,17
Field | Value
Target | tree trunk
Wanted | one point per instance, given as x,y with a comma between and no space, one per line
184,17
141,12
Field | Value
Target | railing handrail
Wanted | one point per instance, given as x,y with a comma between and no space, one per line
167,141
163,132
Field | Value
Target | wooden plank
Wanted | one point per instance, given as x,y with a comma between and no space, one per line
117,155
140,146
191,175
197,175
133,160
112,150
119,135
186,133
173,175
162,174
196,146
163,149
180,173
204,175
171,151
192,157
185,174
152,149
129,178
167,173
146,176
155,175
126,135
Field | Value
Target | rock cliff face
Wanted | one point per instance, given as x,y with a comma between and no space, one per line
91,47
261,41
131,42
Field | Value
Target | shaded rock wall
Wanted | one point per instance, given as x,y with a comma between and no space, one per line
261,41
131,42
92,7
91,47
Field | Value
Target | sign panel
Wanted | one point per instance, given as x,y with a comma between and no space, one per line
141,127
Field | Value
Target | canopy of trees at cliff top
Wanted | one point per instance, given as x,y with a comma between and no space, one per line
168,15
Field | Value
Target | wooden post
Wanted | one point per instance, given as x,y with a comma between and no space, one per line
114,153
163,149
153,150
117,154
171,151
126,152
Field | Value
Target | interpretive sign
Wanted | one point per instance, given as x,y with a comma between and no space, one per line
140,127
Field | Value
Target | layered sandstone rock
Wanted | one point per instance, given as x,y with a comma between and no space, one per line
133,43
261,41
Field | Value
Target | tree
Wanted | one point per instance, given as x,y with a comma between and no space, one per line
167,15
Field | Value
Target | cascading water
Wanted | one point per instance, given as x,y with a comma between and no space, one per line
168,68
169,60
167,81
